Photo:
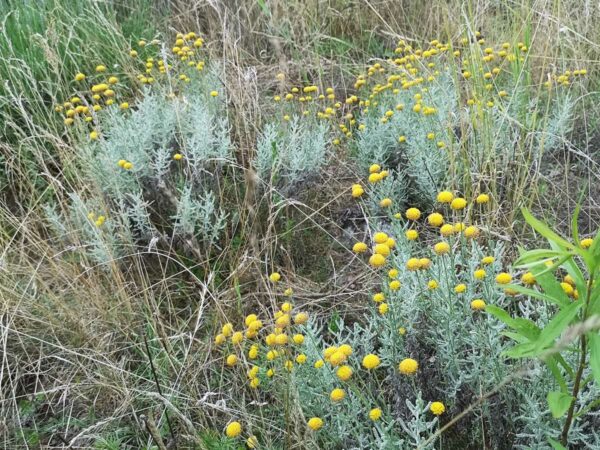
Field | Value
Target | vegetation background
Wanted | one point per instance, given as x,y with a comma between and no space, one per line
75,335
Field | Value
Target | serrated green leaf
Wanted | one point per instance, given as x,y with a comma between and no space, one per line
559,403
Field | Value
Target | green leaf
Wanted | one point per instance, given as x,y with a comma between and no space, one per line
521,350
537,256
556,445
525,327
594,341
559,403
539,295
557,325
545,231
574,225
556,373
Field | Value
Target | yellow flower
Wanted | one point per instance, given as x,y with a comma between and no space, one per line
237,337
80,77
395,285
445,197
124,105
382,249
482,199
275,277
413,264
253,352
458,203
231,360
377,260
94,135
432,284
447,230
528,278
567,288
503,278
435,219
587,243
380,238
300,318
213,93
359,247
413,214
471,231
319,363
233,430
437,408
344,373
441,248
301,359
337,395
375,414
315,423
487,260
375,168
383,308
385,203
371,361
220,339
408,366
357,190
460,288
425,263
393,273
378,297
227,329
100,68
478,305
412,235
298,339
281,339
345,349
337,358
252,442
479,274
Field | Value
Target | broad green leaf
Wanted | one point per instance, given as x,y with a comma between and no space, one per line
559,403
557,325
538,256
539,295
545,231
521,350
525,327
518,337
594,342
556,445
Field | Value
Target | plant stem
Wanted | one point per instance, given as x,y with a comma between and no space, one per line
565,432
